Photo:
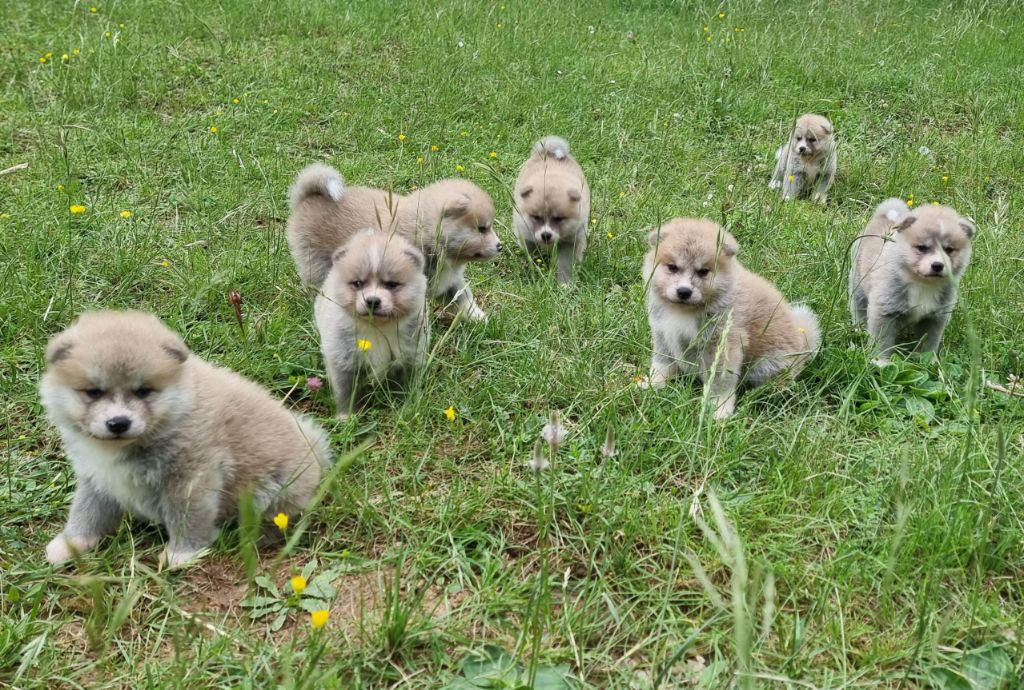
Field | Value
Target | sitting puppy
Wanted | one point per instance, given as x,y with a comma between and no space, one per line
371,312
906,268
449,221
552,205
711,316
153,430
808,160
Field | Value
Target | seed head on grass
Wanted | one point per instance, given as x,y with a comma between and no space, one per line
608,449
538,461
553,432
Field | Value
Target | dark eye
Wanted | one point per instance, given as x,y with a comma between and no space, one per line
921,248
392,285
143,392
536,219
483,229
557,219
93,393
356,284
703,272
949,250
811,140
672,268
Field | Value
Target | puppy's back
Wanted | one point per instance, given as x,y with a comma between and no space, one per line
869,247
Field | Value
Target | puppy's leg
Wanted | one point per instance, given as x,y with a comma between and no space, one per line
929,332
780,170
341,375
566,257
190,516
93,515
467,304
662,369
883,329
793,185
722,376
824,182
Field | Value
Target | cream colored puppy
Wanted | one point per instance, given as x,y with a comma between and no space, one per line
711,316
371,313
807,161
450,221
552,205
153,430
905,272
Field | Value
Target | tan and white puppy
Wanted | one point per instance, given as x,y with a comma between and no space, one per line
807,160
552,205
905,272
450,221
711,316
153,430
371,312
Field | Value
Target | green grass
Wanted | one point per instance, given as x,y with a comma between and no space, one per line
872,547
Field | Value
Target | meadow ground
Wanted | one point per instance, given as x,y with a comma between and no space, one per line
879,528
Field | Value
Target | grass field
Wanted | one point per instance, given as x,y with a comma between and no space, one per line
874,519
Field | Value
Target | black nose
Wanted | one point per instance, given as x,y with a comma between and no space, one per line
937,266
684,293
373,303
546,236
497,247
118,425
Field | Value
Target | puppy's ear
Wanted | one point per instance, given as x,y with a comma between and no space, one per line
456,207
574,195
729,244
416,256
826,127
526,191
905,223
654,236
338,254
59,348
176,348
969,228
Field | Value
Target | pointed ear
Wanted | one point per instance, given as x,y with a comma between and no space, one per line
59,348
827,128
456,207
338,254
574,195
968,227
730,247
526,191
416,256
177,350
654,236
905,223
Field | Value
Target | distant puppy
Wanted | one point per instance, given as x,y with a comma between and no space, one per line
450,221
552,205
371,312
153,430
807,161
905,272
711,316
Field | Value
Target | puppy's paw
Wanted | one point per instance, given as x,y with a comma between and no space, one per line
774,184
343,416
820,198
63,548
881,361
723,413
172,559
475,313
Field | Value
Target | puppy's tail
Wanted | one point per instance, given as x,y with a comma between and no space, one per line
892,210
317,179
553,147
810,332
316,437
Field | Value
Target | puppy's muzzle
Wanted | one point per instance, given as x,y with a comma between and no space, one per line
545,236
684,293
938,267
372,303
118,425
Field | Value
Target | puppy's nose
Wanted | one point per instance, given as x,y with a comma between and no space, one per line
684,293
801,149
937,266
373,303
118,425
497,247
546,236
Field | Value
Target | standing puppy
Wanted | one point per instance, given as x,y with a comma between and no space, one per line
371,312
807,161
711,316
905,272
153,430
450,221
552,205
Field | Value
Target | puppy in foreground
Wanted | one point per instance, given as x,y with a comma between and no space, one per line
371,312
711,316
807,161
153,430
905,272
552,205
450,222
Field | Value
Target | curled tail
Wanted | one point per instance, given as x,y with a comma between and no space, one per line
316,179
555,147
807,325
892,210
316,437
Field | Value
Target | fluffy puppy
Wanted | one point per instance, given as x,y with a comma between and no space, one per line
153,430
807,161
711,316
450,221
905,272
371,312
552,205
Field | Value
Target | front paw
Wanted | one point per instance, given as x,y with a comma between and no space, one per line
173,558
820,198
881,361
475,313
63,548
774,184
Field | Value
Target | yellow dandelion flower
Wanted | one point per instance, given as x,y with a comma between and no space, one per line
298,584
791,178
60,188
363,344
435,148
910,202
611,236
235,101
93,10
281,520
493,154
708,39
165,263
450,413
593,221
65,57
76,51
401,136
419,159
125,214
77,209
721,15
106,34
318,619
213,130
42,60
48,55
459,168
945,178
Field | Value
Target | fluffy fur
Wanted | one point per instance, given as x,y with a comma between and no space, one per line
905,272
807,161
450,221
153,430
711,316
552,205
374,295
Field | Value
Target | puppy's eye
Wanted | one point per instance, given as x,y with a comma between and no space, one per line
392,285
811,140
921,248
143,392
949,250
536,219
93,393
557,219
483,229
357,284
672,268
703,272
